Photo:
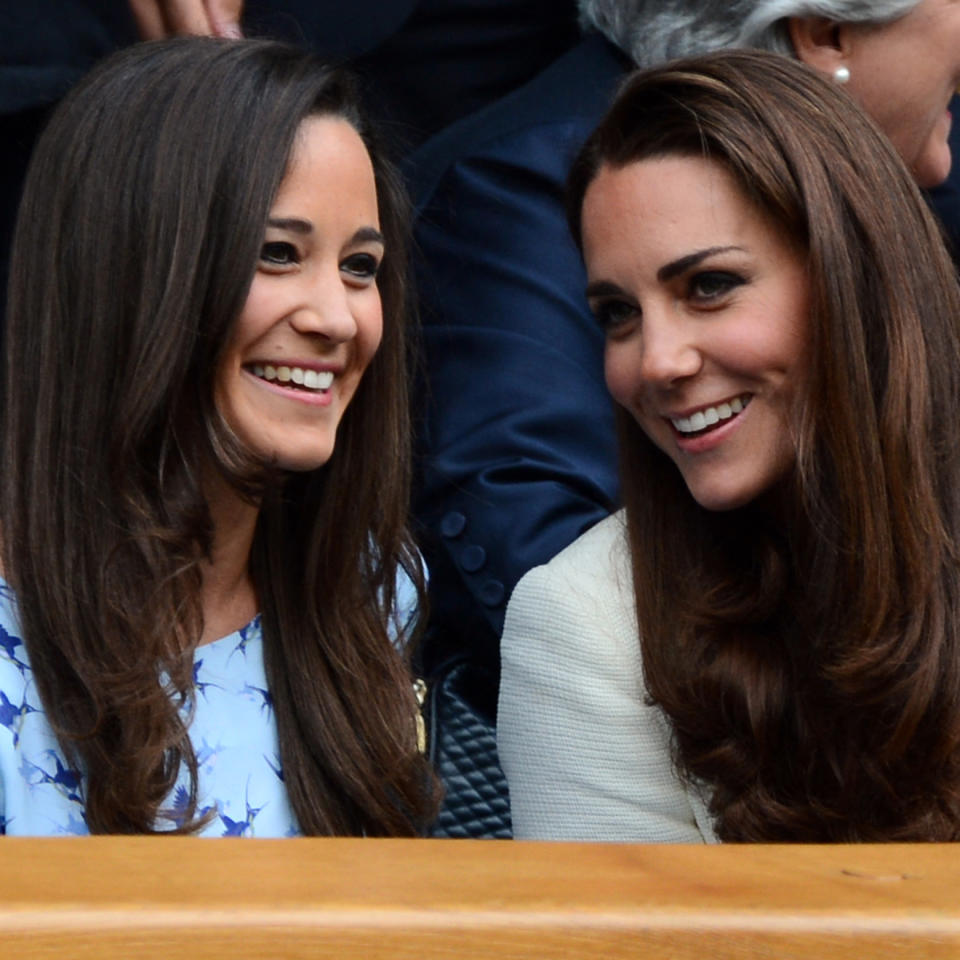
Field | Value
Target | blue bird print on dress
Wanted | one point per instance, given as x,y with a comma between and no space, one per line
275,766
207,755
8,646
65,781
201,685
75,826
240,828
254,692
178,812
247,633
12,716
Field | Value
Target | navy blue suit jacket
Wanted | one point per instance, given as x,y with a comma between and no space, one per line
517,450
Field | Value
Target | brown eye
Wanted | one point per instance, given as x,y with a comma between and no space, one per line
713,284
278,254
609,314
362,265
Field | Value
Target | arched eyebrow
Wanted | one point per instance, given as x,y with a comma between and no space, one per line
368,235
676,268
296,225
293,224
603,288
681,265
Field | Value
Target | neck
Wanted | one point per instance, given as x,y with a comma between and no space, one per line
228,595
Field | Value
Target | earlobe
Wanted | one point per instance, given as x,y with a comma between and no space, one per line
820,43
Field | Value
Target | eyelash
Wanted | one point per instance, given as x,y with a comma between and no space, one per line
707,288
280,254
609,314
723,282
361,265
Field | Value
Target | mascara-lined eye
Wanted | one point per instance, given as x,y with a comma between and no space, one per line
361,265
278,253
610,314
710,285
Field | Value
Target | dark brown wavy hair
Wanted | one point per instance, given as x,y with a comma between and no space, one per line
136,243
808,657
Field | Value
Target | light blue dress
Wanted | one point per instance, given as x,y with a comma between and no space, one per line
233,730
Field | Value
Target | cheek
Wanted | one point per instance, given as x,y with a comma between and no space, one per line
260,310
622,373
370,332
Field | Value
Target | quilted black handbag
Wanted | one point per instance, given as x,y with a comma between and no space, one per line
461,731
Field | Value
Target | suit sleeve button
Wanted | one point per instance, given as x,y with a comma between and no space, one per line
453,524
491,593
473,558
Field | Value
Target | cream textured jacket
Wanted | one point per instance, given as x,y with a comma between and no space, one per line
585,756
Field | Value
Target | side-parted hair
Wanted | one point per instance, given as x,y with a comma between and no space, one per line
651,32
809,660
136,244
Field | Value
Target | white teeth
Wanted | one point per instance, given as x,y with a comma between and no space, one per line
310,379
711,415
317,379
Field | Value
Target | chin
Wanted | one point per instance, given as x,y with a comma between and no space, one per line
721,504
719,498
294,458
303,463
932,167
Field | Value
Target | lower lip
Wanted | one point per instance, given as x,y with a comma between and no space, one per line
320,399
708,441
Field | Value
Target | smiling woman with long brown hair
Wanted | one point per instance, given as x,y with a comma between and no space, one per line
205,427
765,646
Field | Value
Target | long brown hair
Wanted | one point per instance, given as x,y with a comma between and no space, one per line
136,243
809,659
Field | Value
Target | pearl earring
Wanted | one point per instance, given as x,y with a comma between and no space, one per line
841,75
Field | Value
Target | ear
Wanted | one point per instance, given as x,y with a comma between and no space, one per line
820,43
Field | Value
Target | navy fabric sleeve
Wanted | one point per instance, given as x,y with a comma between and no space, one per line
518,451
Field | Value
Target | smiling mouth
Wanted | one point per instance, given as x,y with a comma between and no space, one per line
297,378
710,418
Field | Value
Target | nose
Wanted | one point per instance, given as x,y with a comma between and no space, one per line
325,310
668,349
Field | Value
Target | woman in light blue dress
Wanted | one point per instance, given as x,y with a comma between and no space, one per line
205,559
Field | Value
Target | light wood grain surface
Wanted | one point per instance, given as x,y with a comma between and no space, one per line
143,898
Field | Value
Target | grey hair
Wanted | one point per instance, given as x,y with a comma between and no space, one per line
654,31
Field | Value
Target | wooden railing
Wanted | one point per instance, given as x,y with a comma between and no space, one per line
144,898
